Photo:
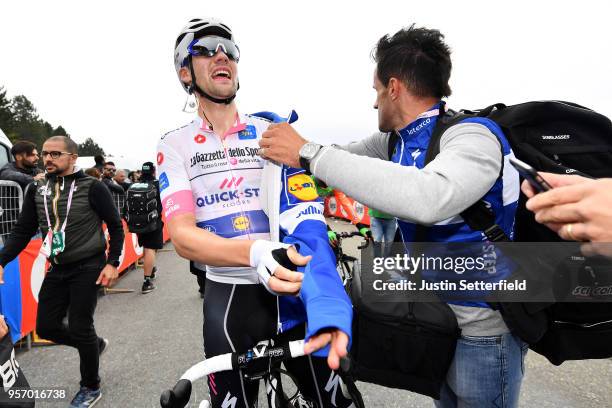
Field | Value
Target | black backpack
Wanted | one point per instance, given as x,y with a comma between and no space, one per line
142,214
556,137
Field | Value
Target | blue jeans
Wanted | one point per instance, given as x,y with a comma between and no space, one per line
383,228
486,372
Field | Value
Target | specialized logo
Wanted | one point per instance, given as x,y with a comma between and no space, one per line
332,384
302,187
415,155
229,183
160,158
310,210
250,132
199,139
241,223
227,196
229,401
164,183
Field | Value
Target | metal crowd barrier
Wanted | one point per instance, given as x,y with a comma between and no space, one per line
119,200
11,200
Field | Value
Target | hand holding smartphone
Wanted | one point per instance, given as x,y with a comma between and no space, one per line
531,175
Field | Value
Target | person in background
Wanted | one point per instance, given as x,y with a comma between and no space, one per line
24,169
120,179
151,241
108,172
200,276
133,177
93,172
69,208
100,160
383,227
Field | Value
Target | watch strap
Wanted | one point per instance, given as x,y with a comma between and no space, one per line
305,164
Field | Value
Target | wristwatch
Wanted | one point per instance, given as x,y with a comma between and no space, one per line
114,263
307,152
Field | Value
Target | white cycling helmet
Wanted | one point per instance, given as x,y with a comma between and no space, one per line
197,28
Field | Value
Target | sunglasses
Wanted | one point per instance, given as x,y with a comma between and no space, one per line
209,47
54,154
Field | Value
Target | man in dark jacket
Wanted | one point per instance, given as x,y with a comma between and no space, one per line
108,173
69,208
23,170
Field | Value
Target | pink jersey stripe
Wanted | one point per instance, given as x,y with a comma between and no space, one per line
177,203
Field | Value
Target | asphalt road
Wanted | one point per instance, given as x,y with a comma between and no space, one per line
155,337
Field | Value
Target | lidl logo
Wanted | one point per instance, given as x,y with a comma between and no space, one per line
248,133
199,139
302,187
241,223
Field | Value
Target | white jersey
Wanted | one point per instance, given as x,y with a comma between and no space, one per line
218,179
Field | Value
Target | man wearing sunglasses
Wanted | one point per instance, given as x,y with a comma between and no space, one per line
69,208
227,210
108,174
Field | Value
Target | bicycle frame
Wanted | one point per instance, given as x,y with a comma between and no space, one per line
345,263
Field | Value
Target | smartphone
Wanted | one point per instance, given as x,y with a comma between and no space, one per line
531,175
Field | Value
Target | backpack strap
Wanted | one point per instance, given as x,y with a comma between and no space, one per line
393,139
479,217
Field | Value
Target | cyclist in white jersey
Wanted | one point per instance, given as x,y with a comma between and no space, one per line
227,213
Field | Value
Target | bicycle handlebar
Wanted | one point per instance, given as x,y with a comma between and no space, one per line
343,235
179,396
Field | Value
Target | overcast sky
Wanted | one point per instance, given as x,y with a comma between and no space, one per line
104,69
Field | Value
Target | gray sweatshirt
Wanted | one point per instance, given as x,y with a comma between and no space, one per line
466,168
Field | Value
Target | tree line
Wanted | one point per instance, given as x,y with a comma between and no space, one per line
19,120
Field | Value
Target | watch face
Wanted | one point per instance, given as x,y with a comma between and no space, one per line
310,149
